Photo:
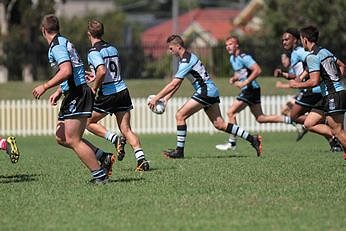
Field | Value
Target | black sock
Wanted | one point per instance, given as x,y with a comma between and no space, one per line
98,174
181,137
238,131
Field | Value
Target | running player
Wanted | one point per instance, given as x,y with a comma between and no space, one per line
112,97
285,64
10,147
307,99
78,100
327,71
205,96
246,70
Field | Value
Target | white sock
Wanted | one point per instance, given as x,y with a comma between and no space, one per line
139,154
111,136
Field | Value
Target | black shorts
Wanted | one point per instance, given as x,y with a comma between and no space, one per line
250,96
114,103
309,99
77,103
335,102
205,100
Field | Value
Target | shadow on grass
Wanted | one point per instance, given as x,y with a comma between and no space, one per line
17,178
221,156
191,157
161,168
125,180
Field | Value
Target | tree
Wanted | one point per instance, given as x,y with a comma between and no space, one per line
23,46
123,35
328,16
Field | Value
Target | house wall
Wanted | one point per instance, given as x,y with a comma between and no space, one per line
78,8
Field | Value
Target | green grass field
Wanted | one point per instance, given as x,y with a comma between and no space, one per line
143,88
294,186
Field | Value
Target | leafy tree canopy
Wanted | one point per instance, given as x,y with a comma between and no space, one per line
24,44
278,15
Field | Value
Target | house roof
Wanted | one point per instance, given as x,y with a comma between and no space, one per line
216,22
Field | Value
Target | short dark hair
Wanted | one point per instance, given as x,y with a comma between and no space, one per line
310,32
50,23
95,28
175,39
294,32
233,37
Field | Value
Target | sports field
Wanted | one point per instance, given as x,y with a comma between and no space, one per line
294,186
145,87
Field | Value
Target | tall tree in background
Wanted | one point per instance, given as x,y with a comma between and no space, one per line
119,32
328,16
25,49
23,46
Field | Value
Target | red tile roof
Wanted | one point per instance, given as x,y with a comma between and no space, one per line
216,21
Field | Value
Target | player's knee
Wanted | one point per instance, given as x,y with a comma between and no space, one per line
179,116
125,130
70,143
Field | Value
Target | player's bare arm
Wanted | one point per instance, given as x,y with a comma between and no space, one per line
313,81
287,75
167,92
303,75
255,72
65,71
53,99
99,76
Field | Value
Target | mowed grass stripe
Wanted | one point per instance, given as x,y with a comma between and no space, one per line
294,186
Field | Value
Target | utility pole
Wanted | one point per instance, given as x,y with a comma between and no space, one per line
175,12
175,29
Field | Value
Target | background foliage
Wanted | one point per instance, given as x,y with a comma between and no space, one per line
116,27
24,44
327,16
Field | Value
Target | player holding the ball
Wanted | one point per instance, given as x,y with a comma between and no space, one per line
205,96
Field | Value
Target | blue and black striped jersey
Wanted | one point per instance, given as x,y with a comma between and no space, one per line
241,66
62,50
322,60
191,67
103,53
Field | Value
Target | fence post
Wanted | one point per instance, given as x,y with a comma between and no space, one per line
32,117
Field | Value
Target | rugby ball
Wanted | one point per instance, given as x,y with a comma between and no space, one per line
159,107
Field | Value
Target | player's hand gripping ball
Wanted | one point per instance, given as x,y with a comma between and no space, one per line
159,107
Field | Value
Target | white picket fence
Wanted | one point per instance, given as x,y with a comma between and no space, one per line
38,117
